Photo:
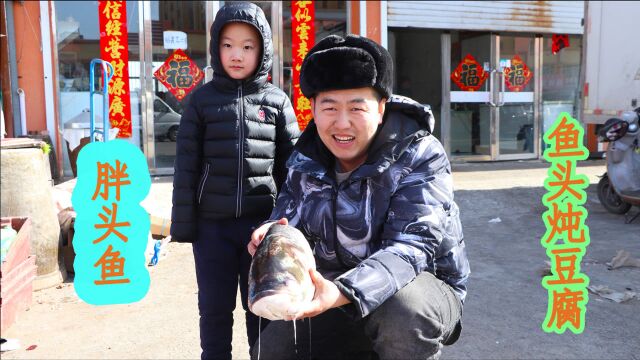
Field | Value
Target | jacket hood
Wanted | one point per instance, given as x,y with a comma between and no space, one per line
405,120
253,15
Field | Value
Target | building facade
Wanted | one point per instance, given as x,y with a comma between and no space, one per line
486,68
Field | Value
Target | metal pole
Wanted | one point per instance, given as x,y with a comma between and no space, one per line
494,127
23,112
363,18
537,95
384,28
579,104
349,25
278,44
45,33
445,108
212,8
105,102
91,87
13,69
62,154
147,87
107,73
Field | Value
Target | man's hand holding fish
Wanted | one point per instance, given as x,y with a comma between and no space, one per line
327,296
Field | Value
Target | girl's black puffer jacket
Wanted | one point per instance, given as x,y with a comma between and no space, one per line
234,139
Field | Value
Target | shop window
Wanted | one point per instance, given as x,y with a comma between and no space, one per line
417,67
78,42
560,80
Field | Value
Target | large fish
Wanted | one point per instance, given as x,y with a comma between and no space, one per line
279,280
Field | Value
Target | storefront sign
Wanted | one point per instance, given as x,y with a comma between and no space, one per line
179,74
518,75
114,48
469,75
303,38
559,42
174,39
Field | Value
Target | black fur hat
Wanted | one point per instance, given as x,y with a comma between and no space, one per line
337,63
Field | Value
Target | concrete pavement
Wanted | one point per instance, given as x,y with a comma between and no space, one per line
502,315
506,303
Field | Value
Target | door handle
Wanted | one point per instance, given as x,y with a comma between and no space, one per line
491,91
502,89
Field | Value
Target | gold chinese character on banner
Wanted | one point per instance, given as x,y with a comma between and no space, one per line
302,15
118,66
112,10
114,48
117,106
303,4
303,31
117,87
303,104
113,28
303,49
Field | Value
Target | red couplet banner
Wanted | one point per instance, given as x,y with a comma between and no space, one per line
114,48
303,38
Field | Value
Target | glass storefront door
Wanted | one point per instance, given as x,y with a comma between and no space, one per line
516,123
493,96
471,118
169,25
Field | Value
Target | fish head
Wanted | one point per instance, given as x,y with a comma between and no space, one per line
279,279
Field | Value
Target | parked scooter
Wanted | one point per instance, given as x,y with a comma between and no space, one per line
619,187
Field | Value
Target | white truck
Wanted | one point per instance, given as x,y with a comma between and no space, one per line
611,60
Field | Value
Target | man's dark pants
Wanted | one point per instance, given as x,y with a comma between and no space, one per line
412,324
221,259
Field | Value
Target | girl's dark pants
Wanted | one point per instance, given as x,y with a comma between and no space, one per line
222,259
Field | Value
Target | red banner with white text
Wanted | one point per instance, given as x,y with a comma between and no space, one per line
114,48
